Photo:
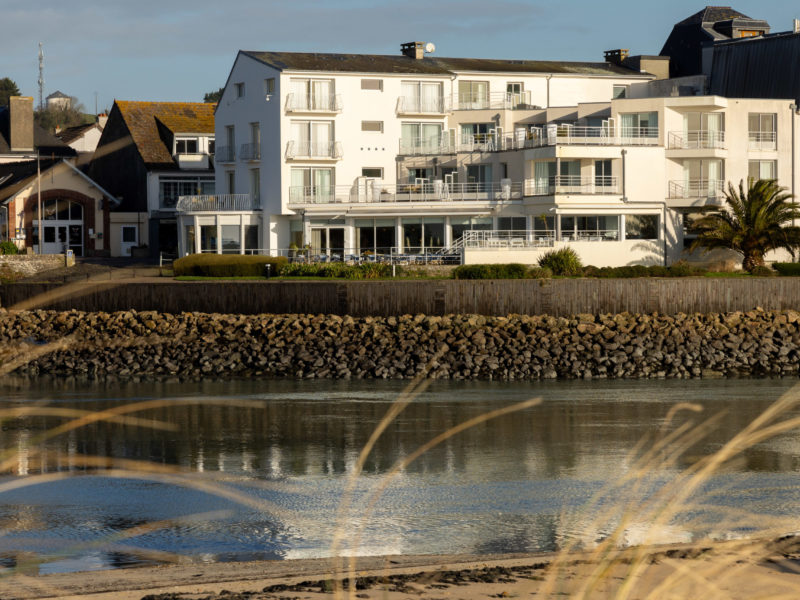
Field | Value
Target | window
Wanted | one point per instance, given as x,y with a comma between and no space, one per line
208,238
475,133
602,173
372,84
473,95
619,91
640,124
703,177
255,134
372,172
128,234
375,236
762,129
458,225
372,126
420,136
231,239
641,227
591,228
172,188
255,184
269,86
186,146
250,239
421,97
479,173
311,184
211,146
422,234
312,94
313,138
231,177
512,223
762,169
239,87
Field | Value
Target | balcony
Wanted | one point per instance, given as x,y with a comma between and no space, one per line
762,140
496,101
225,154
217,203
193,160
572,184
423,146
250,151
506,239
378,193
696,140
313,103
313,150
414,105
696,193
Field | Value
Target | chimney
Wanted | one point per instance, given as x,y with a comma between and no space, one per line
615,57
415,50
102,119
796,25
20,117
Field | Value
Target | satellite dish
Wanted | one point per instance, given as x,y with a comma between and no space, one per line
429,47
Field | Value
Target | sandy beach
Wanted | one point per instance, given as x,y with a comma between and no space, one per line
730,570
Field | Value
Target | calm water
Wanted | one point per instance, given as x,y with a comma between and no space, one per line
534,480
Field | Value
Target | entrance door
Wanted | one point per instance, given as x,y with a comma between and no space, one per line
328,242
129,239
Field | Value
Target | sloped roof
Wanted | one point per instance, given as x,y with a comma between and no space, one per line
712,14
15,176
57,94
179,117
70,134
379,63
44,141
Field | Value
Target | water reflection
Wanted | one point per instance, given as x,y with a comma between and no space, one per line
517,483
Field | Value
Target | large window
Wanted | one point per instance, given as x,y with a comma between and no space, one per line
255,184
312,94
762,169
231,239
251,243
460,225
591,228
186,146
425,137
421,97
761,131
312,138
641,227
421,235
640,124
208,238
172,188
473,95
475,132
512,223
311,184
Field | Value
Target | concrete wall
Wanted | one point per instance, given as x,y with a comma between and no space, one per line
26,265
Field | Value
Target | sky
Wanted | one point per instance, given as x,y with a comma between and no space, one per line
177,50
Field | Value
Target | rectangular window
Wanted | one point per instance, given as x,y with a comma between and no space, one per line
421,97
619,91
172,188
255,184
208,238
239,89
473,95
762,169
512,223
231,240
189,239
372,84
129,234
636,125
312,94
231,177
312,138
641,227
762,131
211,146
250,239
589,228
310,184
186,146
269,86
372,126
420,137
372,172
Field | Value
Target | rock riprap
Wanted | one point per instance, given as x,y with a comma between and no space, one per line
516,347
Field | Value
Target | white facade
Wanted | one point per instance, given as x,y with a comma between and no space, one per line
503,165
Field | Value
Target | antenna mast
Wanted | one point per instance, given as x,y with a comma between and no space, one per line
41,77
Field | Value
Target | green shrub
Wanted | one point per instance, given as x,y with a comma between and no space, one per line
590,271
501,271
8,248
658,271
564,261
226,265
336,269
684,269
540,273
763,271
787,269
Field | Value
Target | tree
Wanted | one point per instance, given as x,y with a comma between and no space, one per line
213,97
754,221
7,89
52,118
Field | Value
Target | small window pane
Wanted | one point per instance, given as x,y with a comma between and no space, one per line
49,235
372,126
641,227
128,234
208,238
372,84
75,211
373,172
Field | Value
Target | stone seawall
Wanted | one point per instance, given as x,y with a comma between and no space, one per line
194,345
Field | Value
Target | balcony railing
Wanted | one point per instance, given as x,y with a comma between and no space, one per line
332,150
217,203
331,103
694,140
506,239
250,151
762,140
436,191
572,184
413,105
430,145
495,101
225,154
697,188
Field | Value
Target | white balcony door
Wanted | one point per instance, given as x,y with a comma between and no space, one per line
321,137
322,91
431,94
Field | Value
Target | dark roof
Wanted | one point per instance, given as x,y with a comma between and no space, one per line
15,176
44,141
57,94
712,14
179,117
70,134
378,63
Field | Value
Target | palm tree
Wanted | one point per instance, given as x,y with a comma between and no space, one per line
753,221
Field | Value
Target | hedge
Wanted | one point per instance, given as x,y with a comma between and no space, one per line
787,269
500,271
226,265
335,269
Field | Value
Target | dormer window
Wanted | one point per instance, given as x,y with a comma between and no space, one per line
186,146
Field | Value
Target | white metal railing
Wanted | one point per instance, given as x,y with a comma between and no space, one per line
697,188
590,235
507,239
250,151
495,101
217,203
377,192
296,149
683,140
572,184
415,105
313,103
762,140
225,154
382,255
431,145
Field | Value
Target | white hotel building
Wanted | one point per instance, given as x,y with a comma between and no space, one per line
490,160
